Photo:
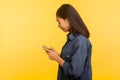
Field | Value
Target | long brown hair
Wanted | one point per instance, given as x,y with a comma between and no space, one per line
77,26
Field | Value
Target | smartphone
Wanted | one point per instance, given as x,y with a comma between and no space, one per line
44,47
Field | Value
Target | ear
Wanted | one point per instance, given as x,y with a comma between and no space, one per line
67,19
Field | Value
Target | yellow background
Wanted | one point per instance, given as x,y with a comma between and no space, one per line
25,25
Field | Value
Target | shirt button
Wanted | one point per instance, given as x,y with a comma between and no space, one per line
67,56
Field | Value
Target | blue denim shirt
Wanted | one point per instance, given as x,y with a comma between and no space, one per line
77,55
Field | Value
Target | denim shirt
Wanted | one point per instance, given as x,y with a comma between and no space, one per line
77,56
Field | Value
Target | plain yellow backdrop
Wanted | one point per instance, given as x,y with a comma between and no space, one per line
25,25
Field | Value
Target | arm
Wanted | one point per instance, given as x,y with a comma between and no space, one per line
76,66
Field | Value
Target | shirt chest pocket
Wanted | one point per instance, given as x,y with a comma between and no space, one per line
66,55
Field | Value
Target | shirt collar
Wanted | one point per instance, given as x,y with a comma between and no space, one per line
71,36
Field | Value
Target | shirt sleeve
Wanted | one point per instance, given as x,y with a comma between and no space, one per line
76,66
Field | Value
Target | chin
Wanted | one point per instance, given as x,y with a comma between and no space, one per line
65,30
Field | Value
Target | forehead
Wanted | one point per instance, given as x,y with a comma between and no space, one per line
59,19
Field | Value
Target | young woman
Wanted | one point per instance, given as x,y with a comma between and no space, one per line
75,58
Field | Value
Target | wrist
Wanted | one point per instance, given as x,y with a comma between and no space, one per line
60,61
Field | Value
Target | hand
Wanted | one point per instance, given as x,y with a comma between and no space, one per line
52,53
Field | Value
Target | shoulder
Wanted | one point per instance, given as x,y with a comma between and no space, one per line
82,40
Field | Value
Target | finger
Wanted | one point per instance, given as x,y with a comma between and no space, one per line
52,49
48,53
47,50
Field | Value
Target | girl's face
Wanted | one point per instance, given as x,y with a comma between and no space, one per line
63,24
